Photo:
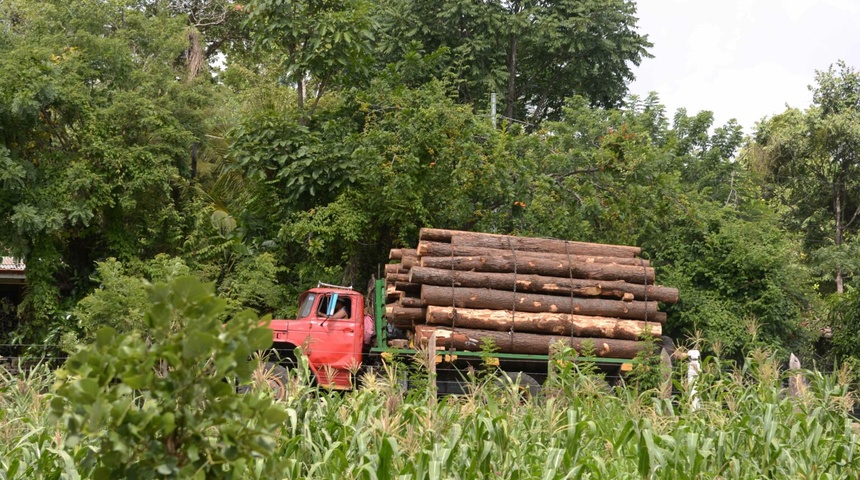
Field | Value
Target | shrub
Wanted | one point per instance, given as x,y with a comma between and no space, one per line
168,407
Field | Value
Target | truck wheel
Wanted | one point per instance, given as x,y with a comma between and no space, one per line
668,344
529,387
274,376
277,377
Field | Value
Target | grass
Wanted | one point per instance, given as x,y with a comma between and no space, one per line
747,427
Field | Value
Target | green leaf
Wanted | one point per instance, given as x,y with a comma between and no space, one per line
198,345
260,338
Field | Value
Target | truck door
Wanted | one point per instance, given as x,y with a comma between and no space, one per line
335,344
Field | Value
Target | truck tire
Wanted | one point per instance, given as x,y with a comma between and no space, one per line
276,377
528,386
668,344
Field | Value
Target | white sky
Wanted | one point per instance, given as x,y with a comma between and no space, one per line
743,59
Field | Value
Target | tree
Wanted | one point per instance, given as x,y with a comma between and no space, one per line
321,41
812,159
629,176
96,136
549,50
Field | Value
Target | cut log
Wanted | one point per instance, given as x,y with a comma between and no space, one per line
409,261
395,268
404,317
392,294
534,265
436,234
408,286
393,278
441,249
410,302
525,343
542,284
395,254
542,322
544,245
530,302
508,242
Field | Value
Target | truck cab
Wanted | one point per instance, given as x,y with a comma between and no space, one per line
332,345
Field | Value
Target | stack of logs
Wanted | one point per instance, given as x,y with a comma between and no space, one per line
524,294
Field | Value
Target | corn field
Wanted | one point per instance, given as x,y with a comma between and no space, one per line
745,426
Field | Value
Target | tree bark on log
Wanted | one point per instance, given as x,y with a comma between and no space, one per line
542,322
530,302
436,234
395,254
395,268
392,294
403,316
410,302
409,261
393,278
408,287
506,242
524,343
542,284
441,249
538,266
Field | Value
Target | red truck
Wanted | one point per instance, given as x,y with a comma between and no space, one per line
337,349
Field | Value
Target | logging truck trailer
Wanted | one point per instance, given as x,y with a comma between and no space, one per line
338,351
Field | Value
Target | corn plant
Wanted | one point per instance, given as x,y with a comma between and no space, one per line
30,443
746,426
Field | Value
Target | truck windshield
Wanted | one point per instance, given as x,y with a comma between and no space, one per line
307,305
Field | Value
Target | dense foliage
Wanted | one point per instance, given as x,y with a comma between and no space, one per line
165,405
268,145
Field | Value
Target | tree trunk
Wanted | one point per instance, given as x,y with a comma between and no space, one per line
300,92
511,97
542,322
528,302
542,284
441,249
535,265
840,219
194,148
524,343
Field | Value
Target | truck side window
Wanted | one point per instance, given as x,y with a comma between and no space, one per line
307,305
323,307
340,310
343,308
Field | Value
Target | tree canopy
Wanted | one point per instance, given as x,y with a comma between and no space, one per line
263,146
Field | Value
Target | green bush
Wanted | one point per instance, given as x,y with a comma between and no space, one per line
166,406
